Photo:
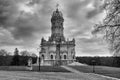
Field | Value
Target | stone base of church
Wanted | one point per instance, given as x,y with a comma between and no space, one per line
57,62
53,62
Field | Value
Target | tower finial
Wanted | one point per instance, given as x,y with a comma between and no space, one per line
57,5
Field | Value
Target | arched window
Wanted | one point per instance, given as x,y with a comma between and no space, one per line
42,56
43,50
73,56
60,57
51,56
64,56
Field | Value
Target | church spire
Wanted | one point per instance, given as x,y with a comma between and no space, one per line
57,6
57,25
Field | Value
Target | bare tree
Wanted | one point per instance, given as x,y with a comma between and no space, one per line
25,53
3,52
34,55
110,26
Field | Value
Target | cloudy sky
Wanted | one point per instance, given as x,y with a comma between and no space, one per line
24,22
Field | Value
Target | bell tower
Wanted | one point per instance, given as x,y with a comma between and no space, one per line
57,50
57,26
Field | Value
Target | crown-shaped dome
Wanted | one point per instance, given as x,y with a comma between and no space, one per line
57,13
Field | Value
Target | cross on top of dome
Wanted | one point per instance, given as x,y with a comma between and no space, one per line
57,12
57,5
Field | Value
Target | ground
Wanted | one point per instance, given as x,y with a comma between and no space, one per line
76,72
102,70
25,75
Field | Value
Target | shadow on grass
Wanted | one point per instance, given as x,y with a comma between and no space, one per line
35,68
50,69
103,70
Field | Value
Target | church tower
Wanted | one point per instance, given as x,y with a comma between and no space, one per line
57,47
57,26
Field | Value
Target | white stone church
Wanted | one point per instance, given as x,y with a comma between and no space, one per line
57,50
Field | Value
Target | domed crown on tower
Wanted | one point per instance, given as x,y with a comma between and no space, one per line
57,15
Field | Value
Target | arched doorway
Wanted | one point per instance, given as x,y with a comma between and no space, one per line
65,57
51,57
42,58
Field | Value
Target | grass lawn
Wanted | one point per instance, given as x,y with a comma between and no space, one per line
50,69
103,70
35,68
13,68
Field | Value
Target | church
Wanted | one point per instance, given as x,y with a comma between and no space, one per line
57,50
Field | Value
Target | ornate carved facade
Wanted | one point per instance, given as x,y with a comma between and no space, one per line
57,48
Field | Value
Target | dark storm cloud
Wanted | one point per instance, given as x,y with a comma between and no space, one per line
4,11
92,46
26,29
32,2
76,11
82,15
7,40
20,27
93,13
74,6
98,8
81,30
